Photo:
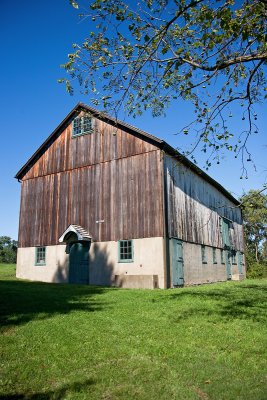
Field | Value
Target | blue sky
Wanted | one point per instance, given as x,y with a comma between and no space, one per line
36,37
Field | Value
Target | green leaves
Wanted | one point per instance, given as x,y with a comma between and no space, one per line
142,55
146,38
74,4
164,50
254,208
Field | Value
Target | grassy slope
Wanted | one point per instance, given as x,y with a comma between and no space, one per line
82,342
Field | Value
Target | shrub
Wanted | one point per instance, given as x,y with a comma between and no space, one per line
257,270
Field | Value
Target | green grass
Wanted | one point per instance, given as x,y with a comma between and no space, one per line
82,342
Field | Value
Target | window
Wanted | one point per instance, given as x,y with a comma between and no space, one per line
82,126
222,257
40,255
203,254
125,251
214,256
234,257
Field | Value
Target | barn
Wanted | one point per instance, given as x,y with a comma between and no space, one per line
105,203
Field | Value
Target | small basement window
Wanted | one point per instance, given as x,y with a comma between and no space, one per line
125,251
40,255
82,125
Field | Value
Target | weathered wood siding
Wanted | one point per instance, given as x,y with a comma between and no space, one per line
106,143
126,193
194,208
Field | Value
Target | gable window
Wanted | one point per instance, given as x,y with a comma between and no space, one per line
203,254
82,125
40,255
222,257
125,251
214,256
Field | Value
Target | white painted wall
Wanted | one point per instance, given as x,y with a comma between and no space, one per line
55,270
148,260
105,268
104,265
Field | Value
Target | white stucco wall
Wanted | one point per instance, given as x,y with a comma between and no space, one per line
148,260
146,271
55,270
103,261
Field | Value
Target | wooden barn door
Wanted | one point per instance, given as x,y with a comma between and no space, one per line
79,263
177,262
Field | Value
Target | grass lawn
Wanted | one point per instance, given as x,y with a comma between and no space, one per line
82,342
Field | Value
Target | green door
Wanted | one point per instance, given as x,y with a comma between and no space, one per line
228,264
177,262
79,263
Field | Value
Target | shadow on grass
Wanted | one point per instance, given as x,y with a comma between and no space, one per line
232,302
56,394
23,301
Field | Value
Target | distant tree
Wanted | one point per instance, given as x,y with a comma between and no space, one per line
254,207
264,251
143,55
8,250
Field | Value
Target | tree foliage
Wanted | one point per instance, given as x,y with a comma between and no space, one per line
254,208
8,250
143,55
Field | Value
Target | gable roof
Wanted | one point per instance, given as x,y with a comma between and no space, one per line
161,144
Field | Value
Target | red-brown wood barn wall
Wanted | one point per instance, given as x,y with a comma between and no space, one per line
108,175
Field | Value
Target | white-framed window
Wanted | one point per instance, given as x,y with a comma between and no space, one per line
40,255
125,251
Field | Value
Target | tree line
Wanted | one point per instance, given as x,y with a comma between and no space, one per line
8,250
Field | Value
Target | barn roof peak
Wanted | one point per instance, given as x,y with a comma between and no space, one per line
161,144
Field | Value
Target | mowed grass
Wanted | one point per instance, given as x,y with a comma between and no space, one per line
82,342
